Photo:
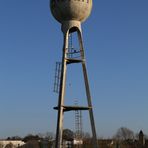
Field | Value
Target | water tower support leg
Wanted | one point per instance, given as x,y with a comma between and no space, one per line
92,121
59,130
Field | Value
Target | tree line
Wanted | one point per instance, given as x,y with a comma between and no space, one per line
123,133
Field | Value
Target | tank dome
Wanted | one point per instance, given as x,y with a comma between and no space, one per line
66,10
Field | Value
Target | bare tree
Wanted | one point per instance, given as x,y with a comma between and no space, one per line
86,135
68,134
31,137
124,133
48,135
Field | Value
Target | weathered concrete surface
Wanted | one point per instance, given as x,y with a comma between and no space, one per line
65,10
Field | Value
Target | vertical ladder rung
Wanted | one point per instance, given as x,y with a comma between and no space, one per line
57,77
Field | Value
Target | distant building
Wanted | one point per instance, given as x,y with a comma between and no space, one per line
13,143
141,138
77,142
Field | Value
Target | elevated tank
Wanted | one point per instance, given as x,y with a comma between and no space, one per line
67,10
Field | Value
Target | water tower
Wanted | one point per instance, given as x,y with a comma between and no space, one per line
71,13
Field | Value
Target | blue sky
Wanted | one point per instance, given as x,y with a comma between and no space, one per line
116,45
